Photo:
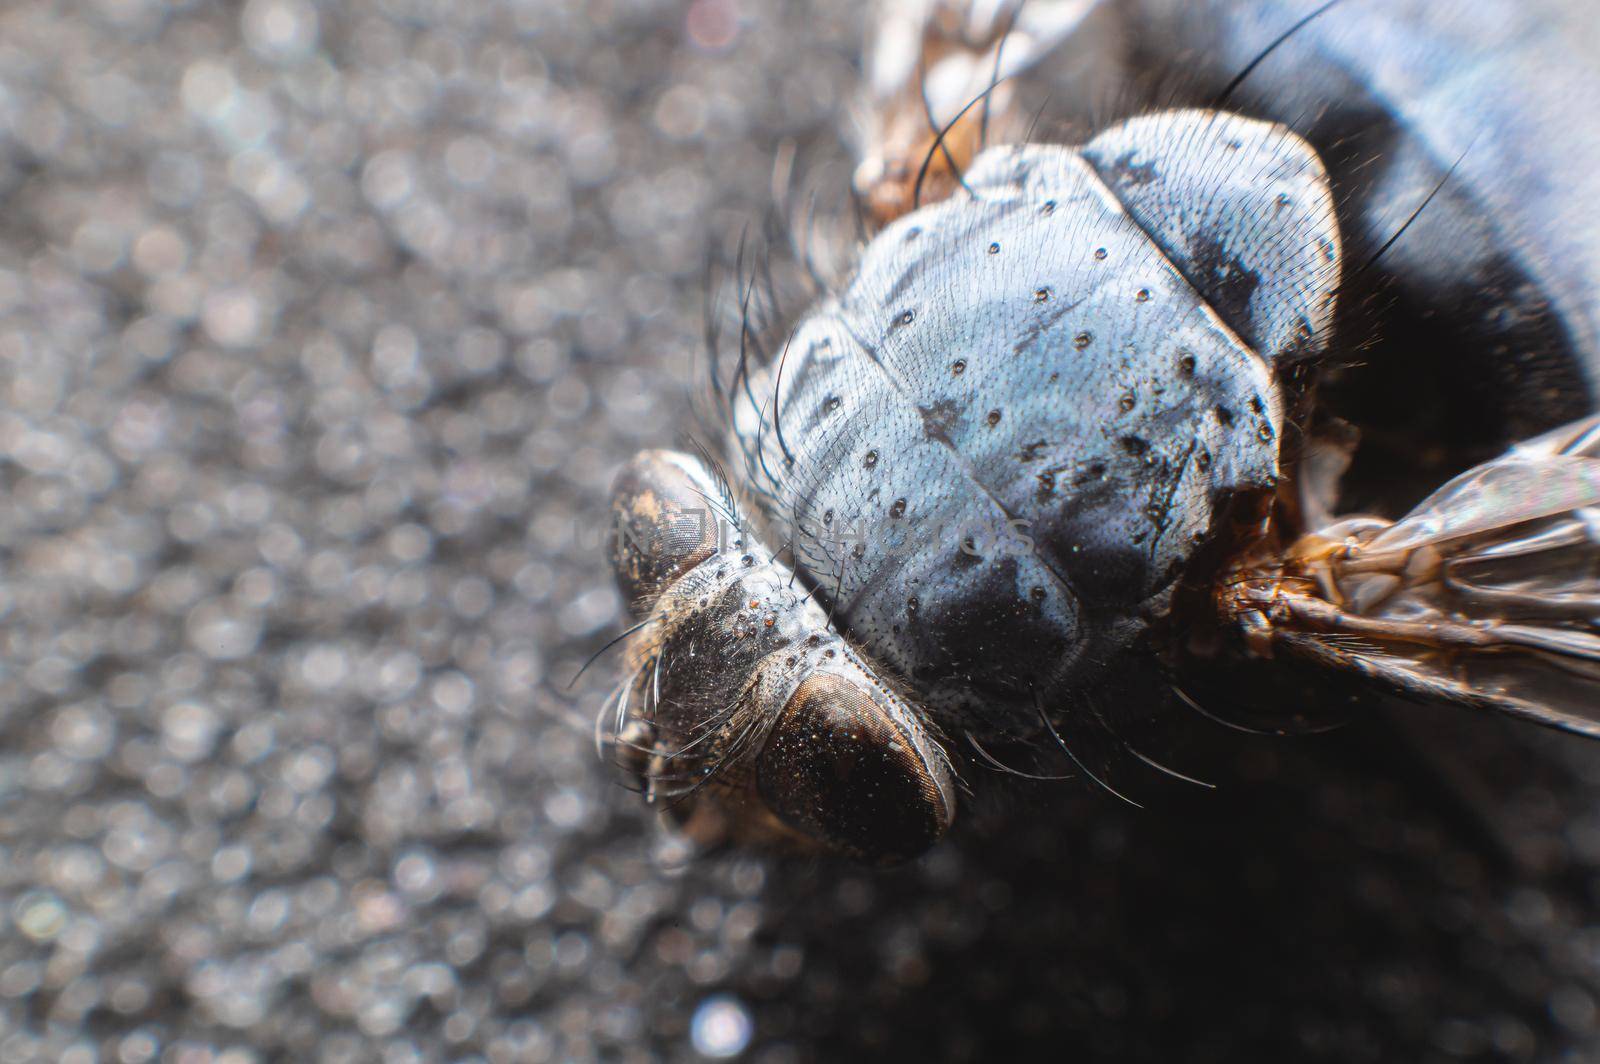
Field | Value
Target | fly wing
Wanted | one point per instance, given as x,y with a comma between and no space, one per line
1487,595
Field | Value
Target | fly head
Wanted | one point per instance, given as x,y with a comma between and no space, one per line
743,702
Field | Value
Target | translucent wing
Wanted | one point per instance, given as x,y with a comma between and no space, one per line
1486,595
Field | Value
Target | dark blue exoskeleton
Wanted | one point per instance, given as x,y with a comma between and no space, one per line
1001,445
986,476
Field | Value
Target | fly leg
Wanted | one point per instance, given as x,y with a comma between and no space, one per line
1487,595
941,86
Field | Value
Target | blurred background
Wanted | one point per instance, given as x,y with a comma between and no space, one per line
322,329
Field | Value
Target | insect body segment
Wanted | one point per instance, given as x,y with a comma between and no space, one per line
1028,410
1243,209
742,692
1014,470
993,456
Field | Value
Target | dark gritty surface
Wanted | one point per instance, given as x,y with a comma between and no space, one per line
323,329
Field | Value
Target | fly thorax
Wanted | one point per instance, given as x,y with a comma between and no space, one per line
1000,447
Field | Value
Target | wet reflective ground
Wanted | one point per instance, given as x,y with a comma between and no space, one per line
322,328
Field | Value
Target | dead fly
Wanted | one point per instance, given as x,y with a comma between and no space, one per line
1086,421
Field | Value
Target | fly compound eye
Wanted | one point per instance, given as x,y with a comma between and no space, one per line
664,523
856,770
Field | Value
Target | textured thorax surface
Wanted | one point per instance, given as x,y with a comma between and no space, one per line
1002,442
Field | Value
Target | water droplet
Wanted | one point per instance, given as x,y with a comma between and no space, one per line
1041,295
1186,365
1048,207
1264,431
1127,402
907,317
833,403
898,509
958,367
1100,253
1142,296
1081,341
994,249
870,460
993,418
